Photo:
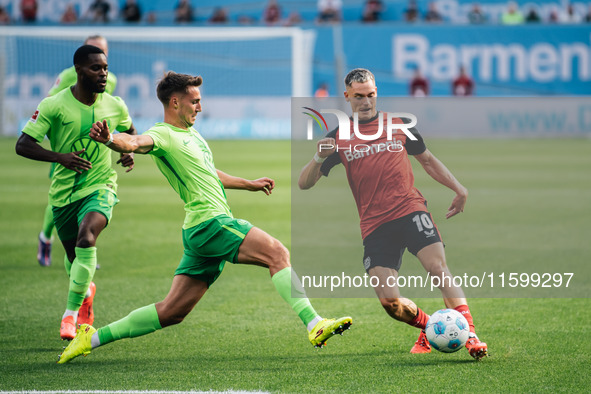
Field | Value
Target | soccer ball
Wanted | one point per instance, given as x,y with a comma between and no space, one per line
447,330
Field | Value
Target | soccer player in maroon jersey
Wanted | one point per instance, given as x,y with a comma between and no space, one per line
393,213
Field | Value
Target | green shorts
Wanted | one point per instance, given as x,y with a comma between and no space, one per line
209,245
68,218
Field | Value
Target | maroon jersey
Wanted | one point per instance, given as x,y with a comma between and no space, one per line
379,173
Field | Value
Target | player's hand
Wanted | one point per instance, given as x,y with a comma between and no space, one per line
73,161
126,160
326,147
100,132
457,205
263,184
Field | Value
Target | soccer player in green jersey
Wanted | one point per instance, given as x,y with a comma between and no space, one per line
66,79
83,187
211,236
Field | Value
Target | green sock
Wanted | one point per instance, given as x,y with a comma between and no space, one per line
67,264
81,275
290,288
48,222
139,322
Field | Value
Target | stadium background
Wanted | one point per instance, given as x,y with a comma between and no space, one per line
251,72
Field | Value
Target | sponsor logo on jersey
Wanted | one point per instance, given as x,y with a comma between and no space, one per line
91,148
34,117
359,151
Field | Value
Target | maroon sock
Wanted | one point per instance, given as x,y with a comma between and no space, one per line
420,320
465,311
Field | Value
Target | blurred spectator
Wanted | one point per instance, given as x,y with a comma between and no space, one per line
329,10
532,16
246,20
475,16
219,15
151,18
555,15
432,15
512,16
131,11
294,18
4,17
322,90
70,15
571,15
588,16
29,10
272,13
411,14
183,12
99,11
463,85
419,85
372,11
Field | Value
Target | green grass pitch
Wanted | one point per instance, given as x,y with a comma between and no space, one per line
529,203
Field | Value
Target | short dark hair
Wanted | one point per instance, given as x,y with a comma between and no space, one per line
358,75
82,53
175,83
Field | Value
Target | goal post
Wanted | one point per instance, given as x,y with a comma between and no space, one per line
253,69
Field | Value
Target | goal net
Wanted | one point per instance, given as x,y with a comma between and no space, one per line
249,73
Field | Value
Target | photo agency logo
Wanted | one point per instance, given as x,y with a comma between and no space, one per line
402,121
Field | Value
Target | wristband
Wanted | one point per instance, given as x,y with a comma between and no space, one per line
110,140
319,159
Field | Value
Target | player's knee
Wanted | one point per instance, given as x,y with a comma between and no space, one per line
279,255
86,240
438,268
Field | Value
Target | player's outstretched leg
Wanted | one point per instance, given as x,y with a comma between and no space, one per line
81,345
260,248
326,328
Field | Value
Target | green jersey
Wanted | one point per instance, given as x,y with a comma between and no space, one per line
185,159
67,122
68,77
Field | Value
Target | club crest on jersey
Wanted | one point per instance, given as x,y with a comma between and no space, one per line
34,117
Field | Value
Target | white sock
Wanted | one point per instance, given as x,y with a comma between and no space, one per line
87,293
313,323
43,238
70,313
94,340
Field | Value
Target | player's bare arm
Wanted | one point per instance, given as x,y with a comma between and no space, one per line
122,142
311,174
438,171
127,159
264,184
28,147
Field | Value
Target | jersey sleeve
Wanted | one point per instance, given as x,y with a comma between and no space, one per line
64,80
40,123
161,138
414,147
111,83
331,160
125,119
